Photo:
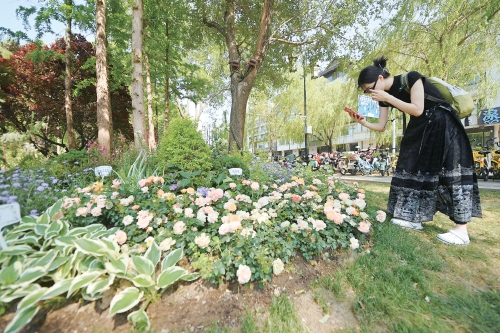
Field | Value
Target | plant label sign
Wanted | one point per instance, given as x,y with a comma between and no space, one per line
9,214
235,171
103,171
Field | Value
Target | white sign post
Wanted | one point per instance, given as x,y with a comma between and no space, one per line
9,214
103,171
235,171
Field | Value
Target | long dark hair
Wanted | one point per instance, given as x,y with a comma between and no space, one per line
370,73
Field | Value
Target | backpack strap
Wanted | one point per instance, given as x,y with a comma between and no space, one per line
406,86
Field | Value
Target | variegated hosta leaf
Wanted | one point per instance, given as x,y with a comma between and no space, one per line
10,273
99,286
89,246
171,259
43,219
31,299
94,228
66,240
45,261
58,262
125,300
99,234
21,319
153,253
23,227
28,219
90,298
190,277
140,319
54,229
31,274
55,208
19,292
110,254
83,280
111,245
142,280
63,271
96,264
77,231
118,266
58,288
17,250
84,264
143,265
40,228
169,276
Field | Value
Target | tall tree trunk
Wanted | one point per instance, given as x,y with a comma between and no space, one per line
241,85
167,78
151,125
67,82
139,120
104,115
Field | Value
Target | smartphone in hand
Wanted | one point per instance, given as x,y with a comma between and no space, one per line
351,111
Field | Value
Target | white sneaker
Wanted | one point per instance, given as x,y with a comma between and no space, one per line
407,224
454,238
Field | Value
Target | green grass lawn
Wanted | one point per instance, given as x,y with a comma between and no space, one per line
411,282
408,281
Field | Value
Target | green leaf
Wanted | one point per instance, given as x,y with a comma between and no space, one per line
82,281
17,250
62,272
113,246
54,229
43,219
46,260
40,229
58,262
20,292
31,299
125,300
31,274
78,231
171,259
139,319
118,266
190,277
21,319
142,281
93,228
28,219
65,240
154,253
10,273
23,227
55,208
169,276
184,183
100,285
58,288
89,246
143,265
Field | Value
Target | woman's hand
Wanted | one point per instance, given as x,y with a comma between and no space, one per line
380,95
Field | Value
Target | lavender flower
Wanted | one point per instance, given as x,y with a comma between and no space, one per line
203,191
173,187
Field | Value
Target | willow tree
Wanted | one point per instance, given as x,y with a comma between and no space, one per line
253,32
456,40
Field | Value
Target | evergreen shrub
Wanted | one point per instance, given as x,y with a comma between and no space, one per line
183,146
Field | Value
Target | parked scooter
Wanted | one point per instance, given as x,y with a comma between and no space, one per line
382,163
358,162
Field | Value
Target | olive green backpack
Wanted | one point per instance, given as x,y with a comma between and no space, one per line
457,97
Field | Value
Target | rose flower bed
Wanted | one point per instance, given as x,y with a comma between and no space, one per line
242,229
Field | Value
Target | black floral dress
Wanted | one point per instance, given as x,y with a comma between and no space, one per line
435,169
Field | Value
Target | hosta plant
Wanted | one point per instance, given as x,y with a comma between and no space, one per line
46,258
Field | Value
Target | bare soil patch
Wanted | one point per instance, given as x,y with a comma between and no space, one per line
193,307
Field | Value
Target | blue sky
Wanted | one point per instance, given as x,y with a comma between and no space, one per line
9,20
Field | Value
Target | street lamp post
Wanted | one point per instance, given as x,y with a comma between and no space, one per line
306,130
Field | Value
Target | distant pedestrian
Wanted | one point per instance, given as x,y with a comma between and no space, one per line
435,169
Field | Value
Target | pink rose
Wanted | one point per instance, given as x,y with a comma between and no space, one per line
254,186
364,226
121,237
232,186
